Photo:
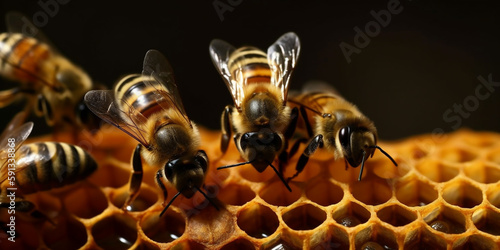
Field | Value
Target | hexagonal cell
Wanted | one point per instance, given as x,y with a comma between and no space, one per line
373,191
487,220
479,242
483,172
445,219
456,155
257,220
236,194
414,192
68,233
324,192
277,194
494,156
436,171
281,244
143,201
164,229
375,237
46,203
333,238
248,172
396,215
427,240
481,140
418,152
462,194
117,232
111,175
351,215
311,170
86,202
493,194
239,243
304,217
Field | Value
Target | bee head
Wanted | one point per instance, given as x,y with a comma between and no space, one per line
356,142
187,173
261,109
259,148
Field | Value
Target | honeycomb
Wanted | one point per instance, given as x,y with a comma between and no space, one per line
444,194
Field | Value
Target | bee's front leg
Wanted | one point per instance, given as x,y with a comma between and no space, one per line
314,144
285,155
136,178
159,182
225,128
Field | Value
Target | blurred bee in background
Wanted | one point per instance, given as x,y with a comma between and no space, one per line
36,167
53,85
336,124
258,83
148,107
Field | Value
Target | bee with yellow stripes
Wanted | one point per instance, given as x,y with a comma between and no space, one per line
36,167
258,83
335,124
148,107
53,85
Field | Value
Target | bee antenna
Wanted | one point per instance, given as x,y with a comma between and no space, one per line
169,203
210,200
386,154
281,177
235,165
362,165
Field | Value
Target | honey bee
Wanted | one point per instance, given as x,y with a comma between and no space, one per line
36,167
335,124
258,83
148,107
53,85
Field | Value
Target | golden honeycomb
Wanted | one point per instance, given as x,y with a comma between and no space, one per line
444,194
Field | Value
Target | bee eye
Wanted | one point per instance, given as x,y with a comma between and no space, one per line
202,159
345,137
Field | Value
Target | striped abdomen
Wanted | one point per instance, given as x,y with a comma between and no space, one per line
139,92
46,165
22,57
249,65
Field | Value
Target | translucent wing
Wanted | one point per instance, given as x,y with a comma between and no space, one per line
313,96
103,104
158,67
220,51
18,23
15,134
29,156
282,57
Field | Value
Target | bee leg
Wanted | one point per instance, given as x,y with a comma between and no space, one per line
225,128
9,96
296,146
159,182
284,156
136,178
314,144
28,207
303,112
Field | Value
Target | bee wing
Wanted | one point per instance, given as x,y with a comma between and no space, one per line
103,104
158,67
282,57
19,23
38,158
220,51
17,135
320,90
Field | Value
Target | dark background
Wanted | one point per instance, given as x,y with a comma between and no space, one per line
427,59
